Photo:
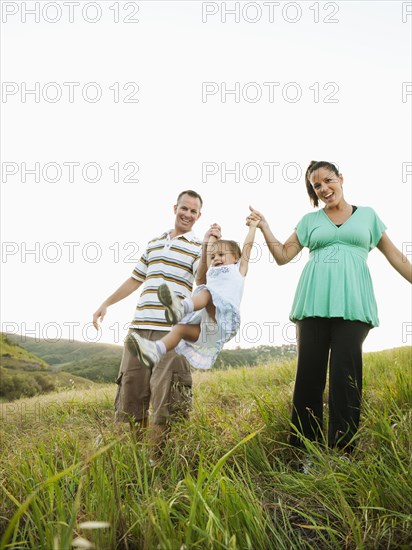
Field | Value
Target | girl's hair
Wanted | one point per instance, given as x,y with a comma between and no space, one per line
227,246
315,165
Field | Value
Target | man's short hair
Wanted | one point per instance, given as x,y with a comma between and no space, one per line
191,194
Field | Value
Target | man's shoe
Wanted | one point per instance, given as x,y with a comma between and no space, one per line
174,311
145,350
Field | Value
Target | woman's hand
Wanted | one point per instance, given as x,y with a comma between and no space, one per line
256,218
253,221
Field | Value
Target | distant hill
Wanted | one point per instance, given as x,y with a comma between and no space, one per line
100,362
97,362
65,351
14,356
24,374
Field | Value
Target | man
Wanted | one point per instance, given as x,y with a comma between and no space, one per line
172,258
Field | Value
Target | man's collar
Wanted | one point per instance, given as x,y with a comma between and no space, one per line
189,236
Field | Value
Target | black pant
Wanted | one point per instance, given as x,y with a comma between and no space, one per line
317,336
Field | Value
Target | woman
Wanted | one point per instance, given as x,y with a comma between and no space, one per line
334,306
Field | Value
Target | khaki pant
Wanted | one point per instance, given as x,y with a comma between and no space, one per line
168,386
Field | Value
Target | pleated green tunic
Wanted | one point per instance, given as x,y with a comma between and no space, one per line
336,281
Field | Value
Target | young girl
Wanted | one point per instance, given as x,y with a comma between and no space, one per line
211,317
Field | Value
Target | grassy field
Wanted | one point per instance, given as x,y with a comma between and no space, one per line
227,480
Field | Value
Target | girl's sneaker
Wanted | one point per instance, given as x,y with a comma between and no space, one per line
145,350
174,311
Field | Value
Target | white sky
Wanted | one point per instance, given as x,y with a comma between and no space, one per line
171,132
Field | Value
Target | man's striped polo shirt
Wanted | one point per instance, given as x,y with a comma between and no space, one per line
172,261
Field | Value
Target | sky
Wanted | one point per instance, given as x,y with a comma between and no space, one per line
110,109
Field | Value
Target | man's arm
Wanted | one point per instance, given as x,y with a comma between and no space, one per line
124,290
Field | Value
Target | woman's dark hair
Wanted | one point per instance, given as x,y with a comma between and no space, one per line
315,165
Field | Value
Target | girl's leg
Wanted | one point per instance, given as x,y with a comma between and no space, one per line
313,352
180,332
203,299
176,309
150,352
345,381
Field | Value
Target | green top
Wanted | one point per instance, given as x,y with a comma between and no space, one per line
336,281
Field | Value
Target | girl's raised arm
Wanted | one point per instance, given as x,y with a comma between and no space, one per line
247,247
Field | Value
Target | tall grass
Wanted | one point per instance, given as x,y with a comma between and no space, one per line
227,479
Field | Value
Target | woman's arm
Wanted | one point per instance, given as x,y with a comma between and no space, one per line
395,257
282,253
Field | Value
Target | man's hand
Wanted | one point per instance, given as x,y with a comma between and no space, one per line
124,290
99,315
214,231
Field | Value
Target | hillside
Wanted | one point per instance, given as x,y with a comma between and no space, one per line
15,356
23,374
100,362
97,362
65,351
228,478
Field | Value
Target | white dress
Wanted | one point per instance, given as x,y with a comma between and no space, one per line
225,285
